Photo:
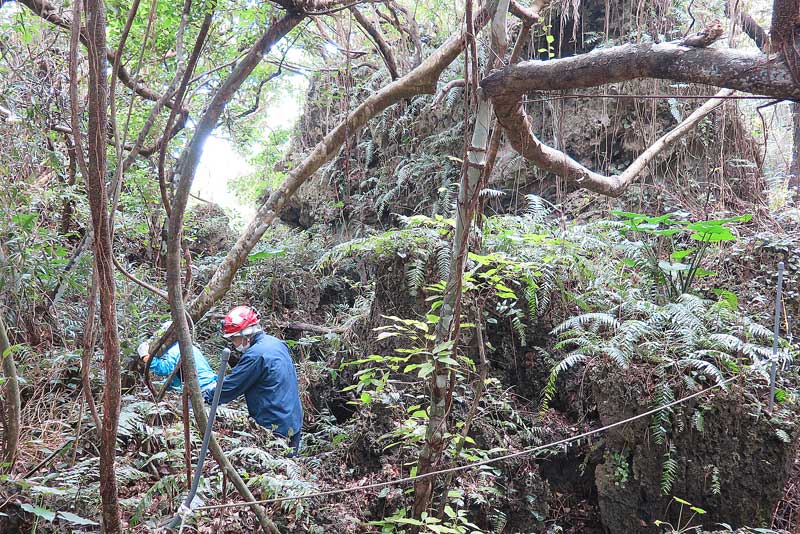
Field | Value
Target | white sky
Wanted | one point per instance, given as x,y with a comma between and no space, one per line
221,163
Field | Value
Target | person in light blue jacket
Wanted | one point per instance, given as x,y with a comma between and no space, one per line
164,365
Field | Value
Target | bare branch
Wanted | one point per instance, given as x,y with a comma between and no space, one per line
380,42
449,86
752,72
48,12
519,131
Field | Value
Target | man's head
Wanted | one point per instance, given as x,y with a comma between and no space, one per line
240,325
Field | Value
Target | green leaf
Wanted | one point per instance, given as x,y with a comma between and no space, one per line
442,347
384,335
697,510
728,297
267,253
366,398
681,501
76,519
425,369
44,513
25,220
678,255
673,267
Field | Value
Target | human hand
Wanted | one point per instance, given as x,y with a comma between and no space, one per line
144,352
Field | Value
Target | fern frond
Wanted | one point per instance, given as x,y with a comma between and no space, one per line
550,388
619,356
491,193
416,272
537,209
706,368
661,421
726,341
760,332
443,253
669,471
519,328
596,319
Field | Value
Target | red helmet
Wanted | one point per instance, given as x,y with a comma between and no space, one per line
242,320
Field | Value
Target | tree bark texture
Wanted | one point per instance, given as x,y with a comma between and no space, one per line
11,401
98,201
447,327
748,71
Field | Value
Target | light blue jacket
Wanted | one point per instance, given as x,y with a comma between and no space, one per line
164,365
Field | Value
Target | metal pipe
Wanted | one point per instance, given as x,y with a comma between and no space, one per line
186,506
776,329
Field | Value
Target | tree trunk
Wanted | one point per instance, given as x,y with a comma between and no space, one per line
380,42
12,405
95,176
187,166
448,326
748,71
794,167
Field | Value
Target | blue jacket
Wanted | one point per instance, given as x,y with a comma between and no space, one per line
265,375
164,365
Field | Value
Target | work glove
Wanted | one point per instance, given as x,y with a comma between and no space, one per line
208,396
144,352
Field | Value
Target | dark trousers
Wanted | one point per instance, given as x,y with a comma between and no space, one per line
294,443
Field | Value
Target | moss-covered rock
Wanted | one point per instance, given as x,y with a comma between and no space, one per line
733,465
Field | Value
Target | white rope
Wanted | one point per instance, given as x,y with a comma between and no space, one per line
525,452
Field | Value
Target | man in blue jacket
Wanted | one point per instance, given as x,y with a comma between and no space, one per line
265,375
164,365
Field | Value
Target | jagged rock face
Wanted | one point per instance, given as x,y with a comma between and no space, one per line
208,230
735,468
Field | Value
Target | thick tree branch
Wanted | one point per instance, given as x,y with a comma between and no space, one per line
528,15
519,131
783,34
421,80
380,42
752,72
749,25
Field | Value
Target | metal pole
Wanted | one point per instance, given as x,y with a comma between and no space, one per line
186,506
775,330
